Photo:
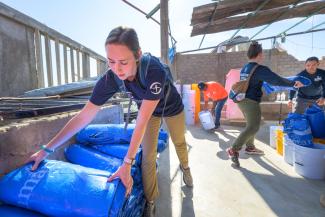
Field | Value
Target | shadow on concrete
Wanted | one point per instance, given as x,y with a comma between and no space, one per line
187,203
165,198
287,196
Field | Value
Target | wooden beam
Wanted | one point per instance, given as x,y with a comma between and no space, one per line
48,58
58,61
39,59
78,65
260,18
164,30
85,66
229,8
65,64
72,65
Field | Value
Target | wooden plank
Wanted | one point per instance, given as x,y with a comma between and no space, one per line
72,64
260,18
65,64
85,66
78,65
228,8
164,31
30,22
48,58
39,59
58,61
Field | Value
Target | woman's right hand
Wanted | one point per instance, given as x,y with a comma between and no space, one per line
37,158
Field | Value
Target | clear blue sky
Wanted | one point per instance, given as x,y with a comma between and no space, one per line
89,22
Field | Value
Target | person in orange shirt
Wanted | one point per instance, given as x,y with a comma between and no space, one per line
214,91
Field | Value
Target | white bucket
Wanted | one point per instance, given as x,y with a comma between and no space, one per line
310,162
289,150
187,88
189,106
206,120
273,130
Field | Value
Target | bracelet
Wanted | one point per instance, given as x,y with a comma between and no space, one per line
47,150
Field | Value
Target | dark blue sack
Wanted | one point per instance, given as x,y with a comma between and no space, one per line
63,189
316,116
296,126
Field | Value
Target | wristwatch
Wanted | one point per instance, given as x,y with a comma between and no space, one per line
130,161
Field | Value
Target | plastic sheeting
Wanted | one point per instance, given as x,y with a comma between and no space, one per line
88,157
114,134
316,117
12,211
271,88
63,189
298,129
110,134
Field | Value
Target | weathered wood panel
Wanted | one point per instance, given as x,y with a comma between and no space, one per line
260,18
229,8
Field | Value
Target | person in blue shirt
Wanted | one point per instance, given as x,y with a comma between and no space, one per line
250,105
156,98
314,93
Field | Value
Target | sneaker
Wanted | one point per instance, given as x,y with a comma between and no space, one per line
253,151
233,155
187,176
149,209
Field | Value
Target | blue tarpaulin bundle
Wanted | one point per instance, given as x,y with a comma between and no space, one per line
13,211
271,88
297,127
100,134
63,189
316,117
88,157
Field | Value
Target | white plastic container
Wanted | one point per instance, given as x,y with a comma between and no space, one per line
289,150
189,106
273,130
310,162
206,120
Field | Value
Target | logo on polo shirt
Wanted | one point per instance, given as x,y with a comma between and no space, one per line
155,88
318,78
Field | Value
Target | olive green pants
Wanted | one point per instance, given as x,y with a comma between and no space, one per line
252,113
176,128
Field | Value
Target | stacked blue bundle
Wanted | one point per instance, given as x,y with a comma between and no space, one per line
296,126
316,117
13,211
63,189
89,157
103,134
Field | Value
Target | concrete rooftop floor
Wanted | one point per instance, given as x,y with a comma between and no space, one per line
263,186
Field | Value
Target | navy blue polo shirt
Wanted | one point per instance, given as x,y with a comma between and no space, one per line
154,89
314,91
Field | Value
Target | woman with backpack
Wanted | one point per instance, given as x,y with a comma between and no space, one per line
160,99
250,104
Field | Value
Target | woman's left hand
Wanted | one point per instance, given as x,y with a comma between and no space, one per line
320,101
124,173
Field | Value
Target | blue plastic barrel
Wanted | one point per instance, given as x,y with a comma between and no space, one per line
316,117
